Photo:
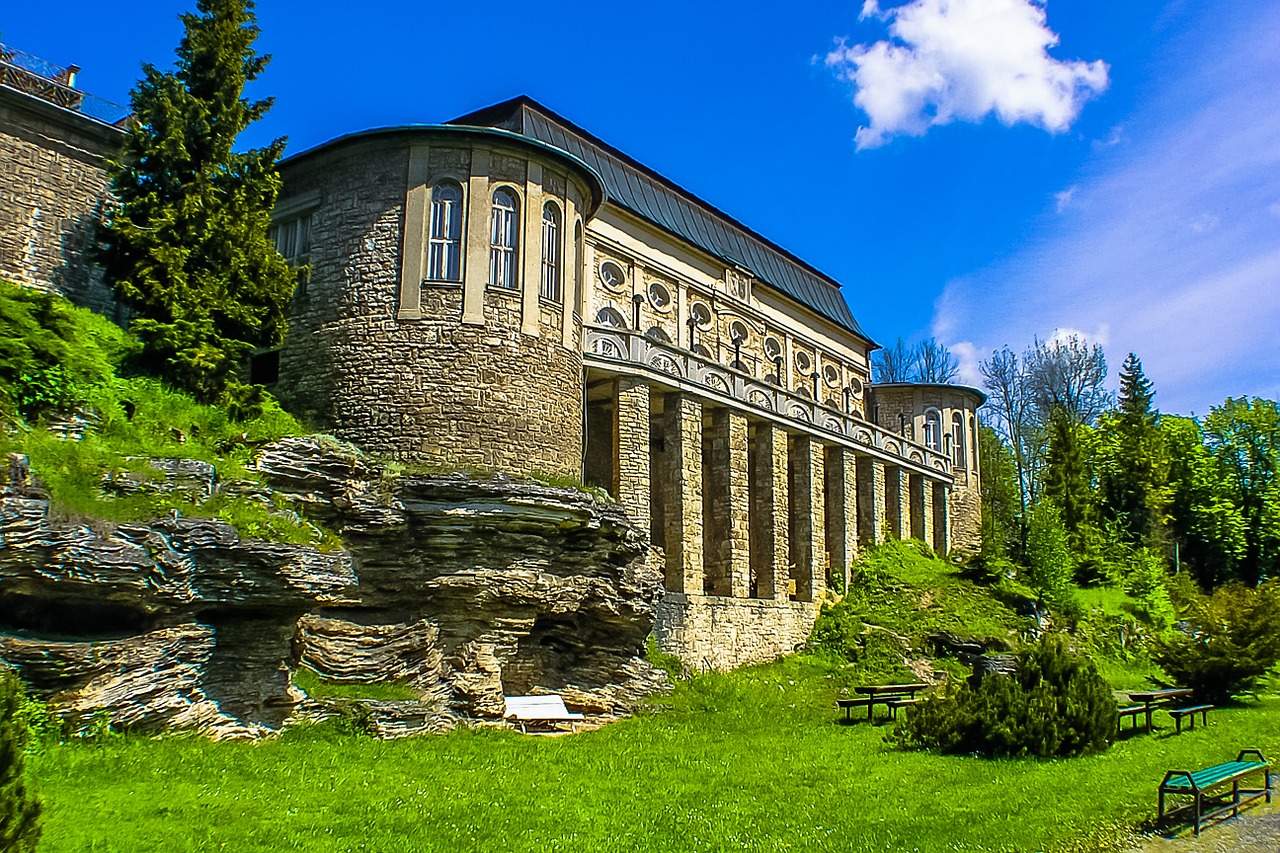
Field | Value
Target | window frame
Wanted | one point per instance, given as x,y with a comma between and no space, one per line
440,244
551,287
504,224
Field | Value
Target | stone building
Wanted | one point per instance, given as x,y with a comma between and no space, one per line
54,140
508,292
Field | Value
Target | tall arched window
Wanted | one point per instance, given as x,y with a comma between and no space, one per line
933,429
551,252
504,230
444,258
579,264
958,443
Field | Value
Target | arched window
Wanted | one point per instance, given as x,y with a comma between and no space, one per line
444,258
551,252
504,230
933,429
610,317
656,333
958,443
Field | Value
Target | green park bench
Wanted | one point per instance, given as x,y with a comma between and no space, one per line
1201,786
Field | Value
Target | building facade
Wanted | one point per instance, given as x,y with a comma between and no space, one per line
507,292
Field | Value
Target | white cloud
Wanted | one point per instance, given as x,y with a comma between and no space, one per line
1062,200
1139,258
962,60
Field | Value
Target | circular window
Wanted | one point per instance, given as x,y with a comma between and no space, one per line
831,373
772,348
659,296
855,385
700,313
738,331
804,363
612,275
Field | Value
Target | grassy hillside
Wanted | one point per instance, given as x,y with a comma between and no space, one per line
58,361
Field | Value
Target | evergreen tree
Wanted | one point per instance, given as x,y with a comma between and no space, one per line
1067,479
1001,501
19,808
1133,462
187,247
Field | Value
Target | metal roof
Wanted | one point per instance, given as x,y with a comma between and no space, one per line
650,196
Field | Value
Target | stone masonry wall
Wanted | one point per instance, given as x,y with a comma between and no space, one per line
427,390
709,632
52,187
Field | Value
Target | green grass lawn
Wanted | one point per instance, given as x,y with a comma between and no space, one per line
752,760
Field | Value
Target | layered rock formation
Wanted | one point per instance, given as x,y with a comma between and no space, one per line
464,590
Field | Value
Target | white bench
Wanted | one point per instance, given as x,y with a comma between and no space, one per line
540,709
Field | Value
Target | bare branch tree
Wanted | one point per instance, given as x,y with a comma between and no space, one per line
1009,405
1067,374
894,364
935,363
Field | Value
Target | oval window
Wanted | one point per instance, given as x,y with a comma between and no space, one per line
831,373
738,331
772,348
803,362
659,296
700,313
612,275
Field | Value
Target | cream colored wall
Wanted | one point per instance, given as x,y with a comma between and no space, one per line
647,254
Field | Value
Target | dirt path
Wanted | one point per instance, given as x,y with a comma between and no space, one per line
1256,830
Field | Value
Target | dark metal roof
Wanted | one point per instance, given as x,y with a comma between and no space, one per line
651,196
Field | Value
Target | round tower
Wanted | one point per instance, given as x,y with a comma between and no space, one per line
436,317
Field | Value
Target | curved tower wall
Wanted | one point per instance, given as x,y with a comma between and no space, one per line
443,373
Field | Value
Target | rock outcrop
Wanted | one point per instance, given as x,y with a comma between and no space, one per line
462,590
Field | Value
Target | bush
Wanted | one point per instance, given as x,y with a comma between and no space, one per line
19,808
1050,568
1230,643
1055,705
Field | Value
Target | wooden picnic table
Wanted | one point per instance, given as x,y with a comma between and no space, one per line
1151,698
889,695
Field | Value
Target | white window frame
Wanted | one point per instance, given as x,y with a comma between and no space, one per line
504,239
552,255
444,254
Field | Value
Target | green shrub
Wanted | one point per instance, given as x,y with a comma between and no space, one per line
19,808
1050,568
1146,579
1231,642
1056,705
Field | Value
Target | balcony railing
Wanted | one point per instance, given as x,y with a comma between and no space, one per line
55,84
626,347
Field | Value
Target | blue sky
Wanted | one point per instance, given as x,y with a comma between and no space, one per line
984,171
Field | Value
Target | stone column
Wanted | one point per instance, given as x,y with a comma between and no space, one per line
896,506
842,510
941,521
808,518
631,448
475,275
871,489
531,260
915,496
926,514
415,236
728,527
682,515
770,545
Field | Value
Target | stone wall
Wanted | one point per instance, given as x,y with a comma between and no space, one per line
428,388
52,187
710,632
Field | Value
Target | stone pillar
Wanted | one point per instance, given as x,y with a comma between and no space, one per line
475,273
808,518
728,527
915,496
926,514
531,259
941,522
871,488
631,448
415,236
682,486
842,510
770,543
896,504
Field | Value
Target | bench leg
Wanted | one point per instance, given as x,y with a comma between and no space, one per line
1235,799
1196,817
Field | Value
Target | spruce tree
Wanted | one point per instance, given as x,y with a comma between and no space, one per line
187,247
19,808
1134,467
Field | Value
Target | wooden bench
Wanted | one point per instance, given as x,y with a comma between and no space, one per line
1199,784
540,709
1132,712
903,702
1190,710
859,702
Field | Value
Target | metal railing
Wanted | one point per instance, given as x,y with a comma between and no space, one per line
55,84
624,346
